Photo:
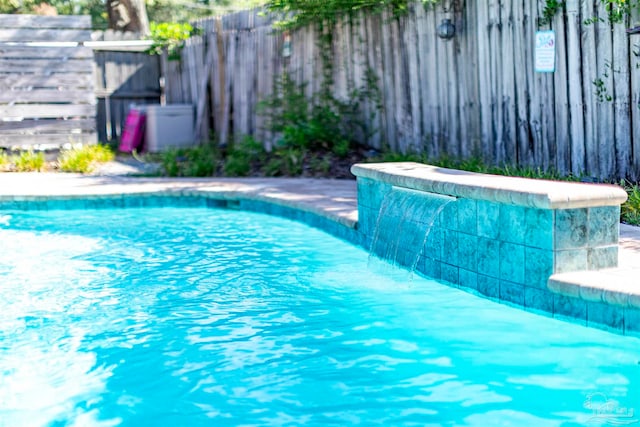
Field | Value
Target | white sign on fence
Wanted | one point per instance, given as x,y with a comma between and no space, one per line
545,51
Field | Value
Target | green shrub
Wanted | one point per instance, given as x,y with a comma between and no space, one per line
85,158
320,165
285,162
630,211
171,160
341,148
28,161
318,123
243,157
199,161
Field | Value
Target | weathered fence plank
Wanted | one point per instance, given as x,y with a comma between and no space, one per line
53,81
574,80
562,115
31,52
621,95
40,22
226,129
604,87
469,106
41,66
33,128
413,80
45,35
374,62
589,72
484,78
546,101
508,91
29,96
388,86
451,99
523,154
46,141
495,54
44,111
425,82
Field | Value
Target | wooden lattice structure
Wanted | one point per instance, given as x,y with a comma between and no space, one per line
46,82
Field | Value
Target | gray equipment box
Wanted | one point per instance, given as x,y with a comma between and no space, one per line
169,126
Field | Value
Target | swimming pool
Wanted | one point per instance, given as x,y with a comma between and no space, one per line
193,316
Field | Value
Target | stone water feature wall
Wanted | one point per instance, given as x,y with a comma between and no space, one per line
501,236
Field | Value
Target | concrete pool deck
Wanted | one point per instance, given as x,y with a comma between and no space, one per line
333,199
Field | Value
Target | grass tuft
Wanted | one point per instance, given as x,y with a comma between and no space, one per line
84,159
28,161
5,162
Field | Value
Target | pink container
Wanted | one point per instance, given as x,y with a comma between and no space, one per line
133,132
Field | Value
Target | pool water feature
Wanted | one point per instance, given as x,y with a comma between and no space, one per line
194,316
403,225
513,239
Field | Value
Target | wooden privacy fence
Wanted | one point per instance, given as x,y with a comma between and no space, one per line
46,89
477,94
225,73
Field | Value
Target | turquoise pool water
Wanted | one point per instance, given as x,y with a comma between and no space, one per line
209,317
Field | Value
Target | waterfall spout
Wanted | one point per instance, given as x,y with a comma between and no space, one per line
404,222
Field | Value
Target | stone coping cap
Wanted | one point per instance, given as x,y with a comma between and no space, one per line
613,286
536,193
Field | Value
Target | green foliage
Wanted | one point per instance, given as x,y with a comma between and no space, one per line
534,173
630,212
287,161
341,148
4,160
85,158
170,36
322,123
618,10
304,12
95,8
320,165
28,161
602,94
243,157
551,8
157,10
390,156
475,164
10,6
177,11
199,161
